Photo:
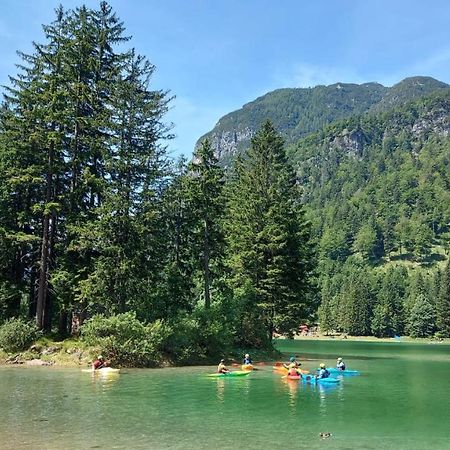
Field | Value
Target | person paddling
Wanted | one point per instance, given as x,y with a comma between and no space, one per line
99,363
247,359
340,364
292,363
222,368
322,372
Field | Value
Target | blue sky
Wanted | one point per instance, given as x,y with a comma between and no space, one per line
216,55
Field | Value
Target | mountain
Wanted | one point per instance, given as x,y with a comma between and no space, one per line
297,112
385,175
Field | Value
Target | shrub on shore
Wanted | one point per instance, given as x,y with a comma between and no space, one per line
17,335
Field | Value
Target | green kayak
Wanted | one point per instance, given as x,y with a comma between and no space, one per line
237,373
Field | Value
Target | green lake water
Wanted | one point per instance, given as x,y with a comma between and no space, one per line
400,401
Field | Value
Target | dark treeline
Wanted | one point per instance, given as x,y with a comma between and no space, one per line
97,221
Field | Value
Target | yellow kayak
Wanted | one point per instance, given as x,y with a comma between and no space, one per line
247,367
103,370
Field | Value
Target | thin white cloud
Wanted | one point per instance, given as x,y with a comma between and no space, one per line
436,65
309,75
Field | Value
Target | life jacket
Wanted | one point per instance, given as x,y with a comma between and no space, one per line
247,361
323,373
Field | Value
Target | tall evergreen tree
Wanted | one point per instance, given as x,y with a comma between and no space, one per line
78,146
205,184
268,239
421,319
443,303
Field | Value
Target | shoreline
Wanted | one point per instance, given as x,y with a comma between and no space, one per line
57,354
338,337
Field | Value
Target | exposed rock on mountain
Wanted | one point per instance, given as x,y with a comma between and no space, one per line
298,112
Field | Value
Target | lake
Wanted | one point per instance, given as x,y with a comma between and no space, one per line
400,401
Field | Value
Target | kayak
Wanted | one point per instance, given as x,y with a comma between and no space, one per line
237,373
313,379
247,367
293,377
345,372
103,370
284,370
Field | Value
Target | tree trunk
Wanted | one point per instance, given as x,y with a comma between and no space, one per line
206,273
45,248
43,276
63,324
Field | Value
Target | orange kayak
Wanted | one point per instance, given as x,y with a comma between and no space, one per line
283,370
247,367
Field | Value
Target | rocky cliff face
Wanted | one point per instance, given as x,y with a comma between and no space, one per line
227,144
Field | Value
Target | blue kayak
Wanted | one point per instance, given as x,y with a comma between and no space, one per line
333,371
313,379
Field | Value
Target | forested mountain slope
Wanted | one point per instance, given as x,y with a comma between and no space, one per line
296,112
377,190
386,173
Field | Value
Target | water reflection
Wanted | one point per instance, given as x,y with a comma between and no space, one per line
220,390
293,386
104,381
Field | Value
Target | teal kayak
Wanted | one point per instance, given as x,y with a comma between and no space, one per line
313,379
236,373
333,371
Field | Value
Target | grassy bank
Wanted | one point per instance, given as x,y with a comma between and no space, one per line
76,353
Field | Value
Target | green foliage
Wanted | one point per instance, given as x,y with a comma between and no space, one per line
17,335
421,319
269,252
207,204
382,324
126,341
443,303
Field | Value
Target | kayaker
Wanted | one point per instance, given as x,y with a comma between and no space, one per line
340,364
99,363
323,372
292,363
222,368
247,359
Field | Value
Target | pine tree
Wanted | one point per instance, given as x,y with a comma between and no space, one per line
389,315
268,239
421,319
205,193
356,303
81,164
443,303
175,289
126,231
